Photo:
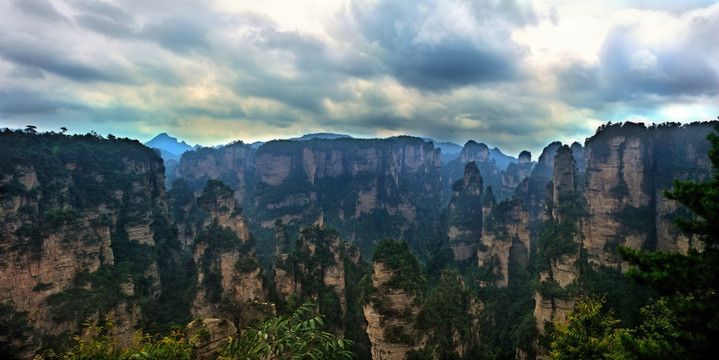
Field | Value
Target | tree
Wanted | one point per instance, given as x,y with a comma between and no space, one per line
32,129
98,345
295,336
590,333
689,282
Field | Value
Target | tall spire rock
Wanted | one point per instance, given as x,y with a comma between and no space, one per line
559,243
228,270
465,213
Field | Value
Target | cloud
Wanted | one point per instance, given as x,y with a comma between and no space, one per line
32,52
512,74
177,34
40,8
436,45
15,102
635,69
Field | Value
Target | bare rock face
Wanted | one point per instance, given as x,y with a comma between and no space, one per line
621,200
318,261
348,181
465,213
533,189
515,174
229,164
559,243
505,238
228,267
65,226
390,313
472,151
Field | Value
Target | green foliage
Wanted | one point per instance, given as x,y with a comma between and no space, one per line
15,331
80,301
309,268
298,335
246,263
398,257
659,336
589,333
556,239
98,345
550,289
448,317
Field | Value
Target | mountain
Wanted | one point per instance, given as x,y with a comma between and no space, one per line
321,136
450,150
170,147
501,160
87,229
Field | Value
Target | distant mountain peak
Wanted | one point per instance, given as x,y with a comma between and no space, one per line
171,147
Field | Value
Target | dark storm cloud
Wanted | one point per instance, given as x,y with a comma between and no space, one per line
423,49
16,102
40,8
450,64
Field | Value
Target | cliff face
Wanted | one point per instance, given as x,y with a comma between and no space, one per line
516,173
533,188
492,174
320,268
390,312
465,213
231,164
74,211
559,243
505,239
227,265
392,183
628,167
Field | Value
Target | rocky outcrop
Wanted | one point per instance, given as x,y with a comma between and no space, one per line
516,173
389,306
228,267
533,189
628,167
559,243
73,208
505,239
465,214
210,335
230,164
318,262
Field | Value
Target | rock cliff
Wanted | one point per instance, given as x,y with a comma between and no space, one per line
82,219
393,184
559,243
390,293
628,167
228,269
465,213
230,163
320,268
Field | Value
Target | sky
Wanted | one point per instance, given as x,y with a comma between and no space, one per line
512,74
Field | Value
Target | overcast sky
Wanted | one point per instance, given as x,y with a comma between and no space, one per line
512,74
